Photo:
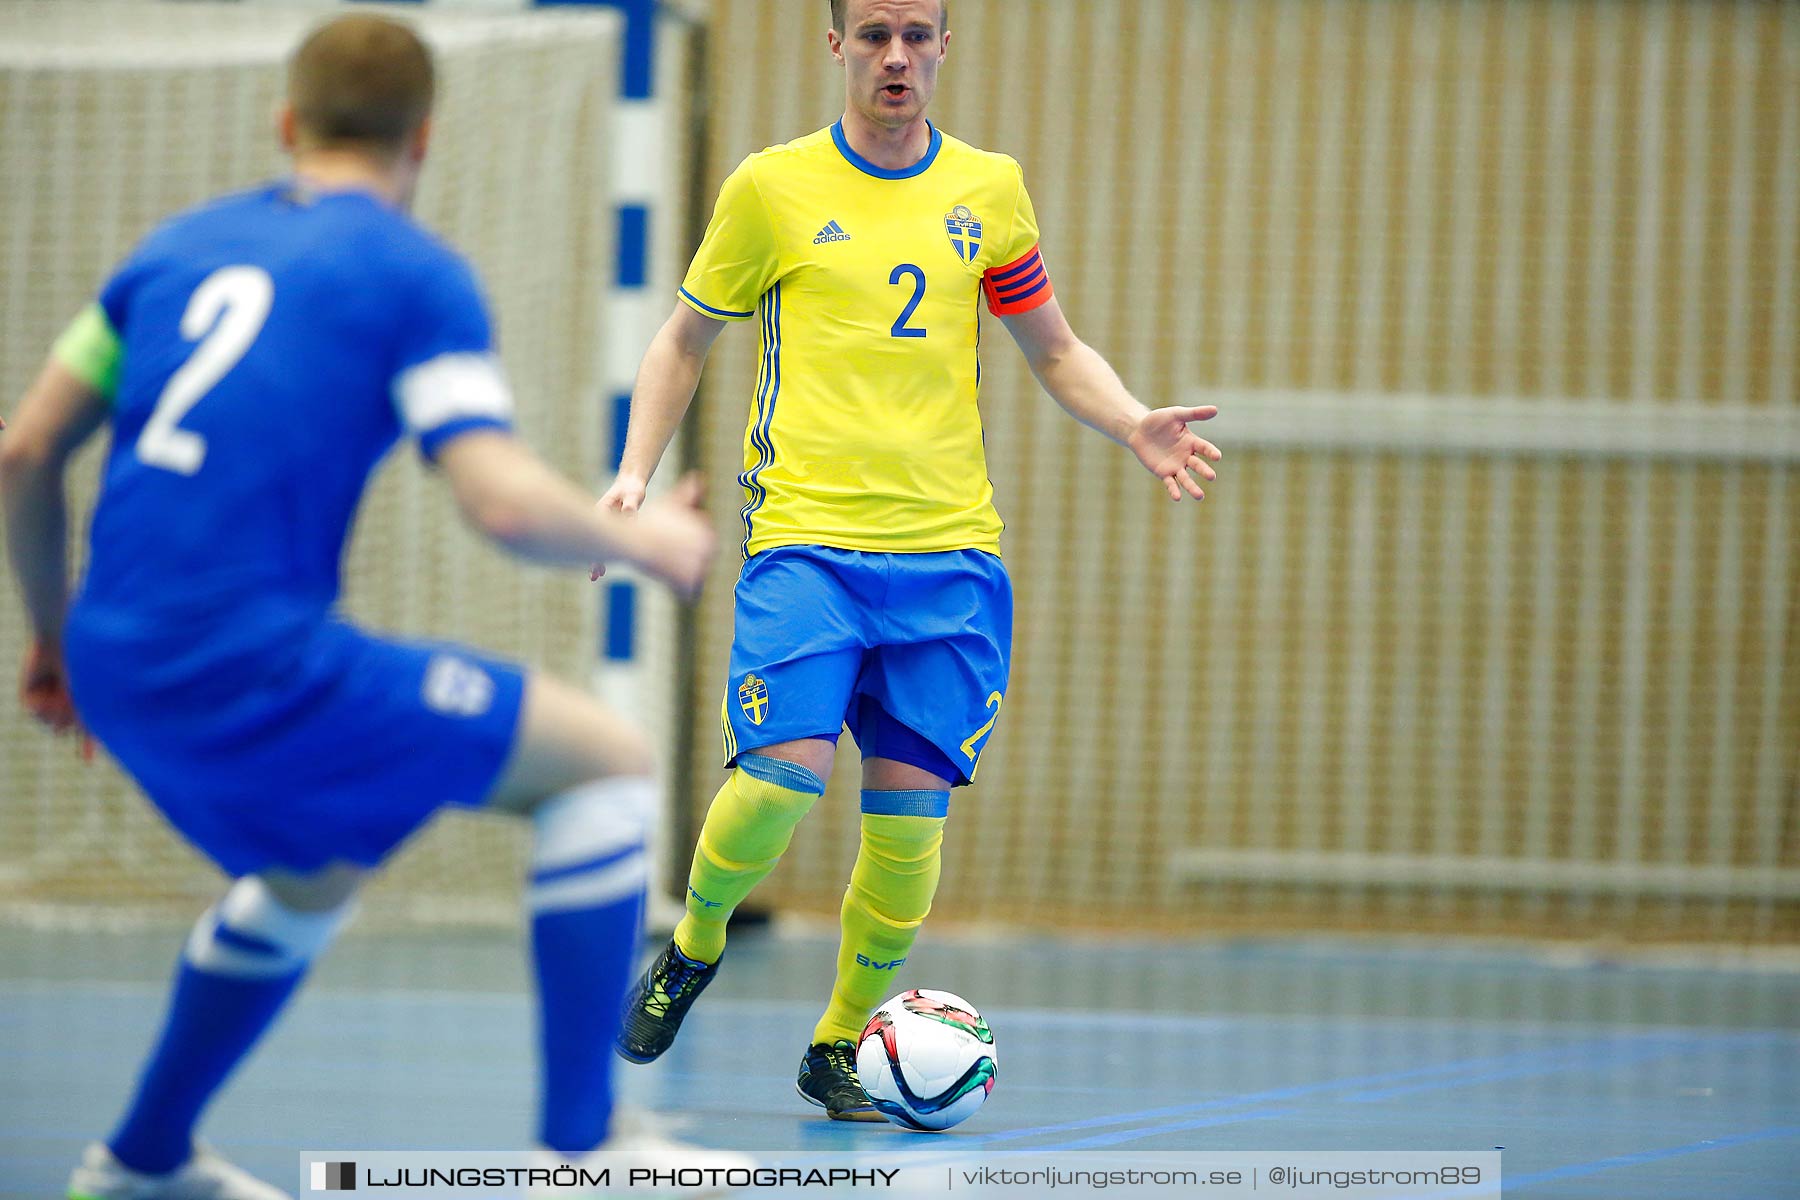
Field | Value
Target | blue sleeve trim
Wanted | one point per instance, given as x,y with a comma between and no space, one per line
868,168
433,440
724,314
906,804
781,773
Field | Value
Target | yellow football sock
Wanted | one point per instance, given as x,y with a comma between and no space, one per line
749,824
891,887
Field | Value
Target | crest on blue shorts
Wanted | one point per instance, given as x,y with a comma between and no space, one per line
753,696
965,232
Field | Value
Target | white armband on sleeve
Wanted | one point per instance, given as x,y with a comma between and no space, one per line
452,387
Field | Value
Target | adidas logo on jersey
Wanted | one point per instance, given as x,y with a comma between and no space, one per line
831,233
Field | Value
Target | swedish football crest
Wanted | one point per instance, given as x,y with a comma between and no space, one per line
965,232
753,696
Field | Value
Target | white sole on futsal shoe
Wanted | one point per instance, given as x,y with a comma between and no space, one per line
636,1145
205,1176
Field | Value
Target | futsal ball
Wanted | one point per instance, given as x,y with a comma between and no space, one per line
926,1058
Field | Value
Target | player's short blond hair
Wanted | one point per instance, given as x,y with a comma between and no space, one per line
361,80
837,15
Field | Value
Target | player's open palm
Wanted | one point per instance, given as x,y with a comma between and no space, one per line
678,542
1174,453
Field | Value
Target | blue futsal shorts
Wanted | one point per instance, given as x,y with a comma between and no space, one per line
328,744
910,651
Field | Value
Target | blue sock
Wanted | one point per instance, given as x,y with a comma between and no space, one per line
586,903
213,1022
584,959
244,959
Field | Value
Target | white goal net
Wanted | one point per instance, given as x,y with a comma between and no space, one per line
115,115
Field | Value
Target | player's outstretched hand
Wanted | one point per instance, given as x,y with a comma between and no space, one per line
44,691
1174,453
677,537
626,495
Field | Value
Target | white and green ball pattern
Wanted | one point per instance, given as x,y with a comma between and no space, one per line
926,1059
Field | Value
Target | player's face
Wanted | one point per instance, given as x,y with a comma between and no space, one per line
891,51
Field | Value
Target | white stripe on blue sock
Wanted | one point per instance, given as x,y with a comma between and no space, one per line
589,849
591,821
249,934
612,881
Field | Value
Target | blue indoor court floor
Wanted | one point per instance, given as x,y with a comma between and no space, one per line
1634,1081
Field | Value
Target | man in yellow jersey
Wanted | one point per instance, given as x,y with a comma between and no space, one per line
872,592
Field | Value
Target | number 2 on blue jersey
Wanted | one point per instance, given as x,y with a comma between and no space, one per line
238,299
901,329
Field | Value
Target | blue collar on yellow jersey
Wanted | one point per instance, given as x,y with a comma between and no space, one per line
868,168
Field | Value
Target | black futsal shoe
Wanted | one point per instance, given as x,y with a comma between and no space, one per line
657,1002
828,1079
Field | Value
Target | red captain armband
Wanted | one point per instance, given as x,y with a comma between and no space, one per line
1019,286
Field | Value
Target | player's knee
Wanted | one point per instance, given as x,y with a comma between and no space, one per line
892,775
252,933
316,891
621,805
568,738
815,754
902,840
774,794
588,844
605,744
630,755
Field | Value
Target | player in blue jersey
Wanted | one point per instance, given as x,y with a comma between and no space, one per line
255,358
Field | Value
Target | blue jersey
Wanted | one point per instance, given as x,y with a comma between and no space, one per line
266,350
262,353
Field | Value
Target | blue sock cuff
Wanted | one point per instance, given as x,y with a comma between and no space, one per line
781,773
906,804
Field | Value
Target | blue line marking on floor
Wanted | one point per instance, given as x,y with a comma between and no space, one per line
1578,1170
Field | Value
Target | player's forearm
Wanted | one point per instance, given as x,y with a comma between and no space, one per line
1088,389
660,398
31,487
519,501
542,517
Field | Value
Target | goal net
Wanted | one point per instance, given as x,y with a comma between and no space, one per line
115,115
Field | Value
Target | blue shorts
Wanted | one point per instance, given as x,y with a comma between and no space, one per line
328,745
910,651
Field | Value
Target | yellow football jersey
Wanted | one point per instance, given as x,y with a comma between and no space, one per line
864,433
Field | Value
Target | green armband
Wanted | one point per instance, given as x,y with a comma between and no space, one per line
91,349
